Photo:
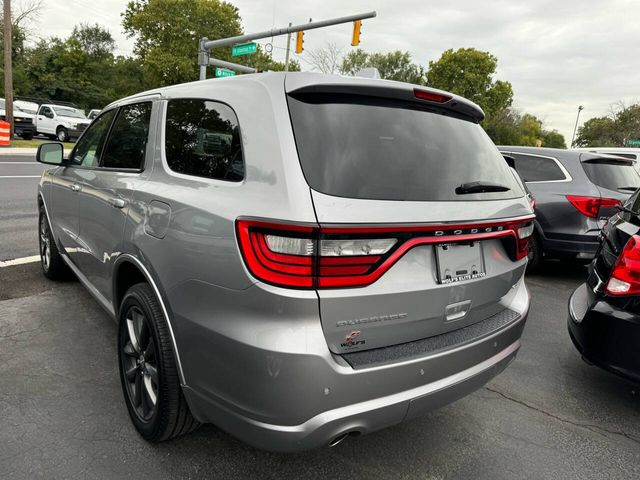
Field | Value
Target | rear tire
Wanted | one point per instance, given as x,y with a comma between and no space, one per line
53,266
535,254
148,373
62,135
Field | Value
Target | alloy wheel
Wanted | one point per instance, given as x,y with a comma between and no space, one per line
140,364
45,245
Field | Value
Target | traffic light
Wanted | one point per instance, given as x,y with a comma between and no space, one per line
355,40
299,41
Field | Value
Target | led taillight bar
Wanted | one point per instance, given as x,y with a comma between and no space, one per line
304,256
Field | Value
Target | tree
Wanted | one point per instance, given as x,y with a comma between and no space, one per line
614,130
553,139
469,73
328,59
167,33
392,66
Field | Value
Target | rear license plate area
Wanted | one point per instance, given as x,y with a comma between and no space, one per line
458,262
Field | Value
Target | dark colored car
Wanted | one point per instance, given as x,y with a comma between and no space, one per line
575,193
604,312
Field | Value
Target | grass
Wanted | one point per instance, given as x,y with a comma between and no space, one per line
34,144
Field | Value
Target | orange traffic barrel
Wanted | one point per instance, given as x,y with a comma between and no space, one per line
4,134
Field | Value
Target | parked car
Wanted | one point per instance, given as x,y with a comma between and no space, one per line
93,113
575,192
604,312
23,124
296,258
60,122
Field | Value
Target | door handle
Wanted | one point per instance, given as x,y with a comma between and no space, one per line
117,202
76,187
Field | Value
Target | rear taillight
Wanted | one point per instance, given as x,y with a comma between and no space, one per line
590,206
304,256
625,277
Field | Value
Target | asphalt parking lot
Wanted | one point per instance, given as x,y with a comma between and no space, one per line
549,415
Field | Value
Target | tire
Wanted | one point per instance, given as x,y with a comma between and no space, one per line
51,137
535,254
27,136
148,373
62,134
53,266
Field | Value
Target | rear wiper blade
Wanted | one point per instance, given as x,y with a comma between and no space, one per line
481,187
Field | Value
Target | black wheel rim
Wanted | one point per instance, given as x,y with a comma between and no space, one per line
139,363
45,243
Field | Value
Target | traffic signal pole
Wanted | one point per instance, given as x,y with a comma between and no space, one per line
206,45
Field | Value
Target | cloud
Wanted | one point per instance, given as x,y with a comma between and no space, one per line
557,54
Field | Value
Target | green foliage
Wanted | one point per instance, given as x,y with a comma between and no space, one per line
167,33
392,66
508,127
614,130
469,72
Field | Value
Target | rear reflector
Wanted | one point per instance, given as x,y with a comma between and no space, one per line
625,276
590,206
431,96
303,256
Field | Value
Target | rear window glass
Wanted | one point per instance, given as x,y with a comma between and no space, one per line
373,148
612,174
538,169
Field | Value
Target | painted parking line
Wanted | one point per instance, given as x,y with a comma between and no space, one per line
20,261
20,176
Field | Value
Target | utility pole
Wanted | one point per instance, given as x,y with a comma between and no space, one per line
8,70
580,108
286,61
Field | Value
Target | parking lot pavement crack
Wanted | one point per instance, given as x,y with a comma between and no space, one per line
589,426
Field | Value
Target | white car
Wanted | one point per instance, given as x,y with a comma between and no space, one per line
60,122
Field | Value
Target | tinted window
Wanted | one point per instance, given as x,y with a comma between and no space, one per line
612,174
87,150
371,148
203,139
128,139
538,169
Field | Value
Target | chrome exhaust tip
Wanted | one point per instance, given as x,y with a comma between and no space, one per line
339,439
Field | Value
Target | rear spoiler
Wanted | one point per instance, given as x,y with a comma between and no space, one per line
606,159
395,90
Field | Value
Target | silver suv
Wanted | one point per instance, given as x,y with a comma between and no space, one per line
295,258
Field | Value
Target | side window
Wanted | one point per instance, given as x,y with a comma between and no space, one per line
127,142
538,169
202,138
87,150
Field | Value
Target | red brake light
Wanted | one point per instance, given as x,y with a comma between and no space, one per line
590,206
431,96
302,256
625,277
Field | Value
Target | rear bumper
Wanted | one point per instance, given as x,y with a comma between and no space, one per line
604,334
356,419
298,401
584,247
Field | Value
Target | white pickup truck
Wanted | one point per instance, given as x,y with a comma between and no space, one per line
60,122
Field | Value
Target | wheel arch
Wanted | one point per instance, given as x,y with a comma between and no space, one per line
127,271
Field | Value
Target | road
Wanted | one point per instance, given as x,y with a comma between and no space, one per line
19,176
549,415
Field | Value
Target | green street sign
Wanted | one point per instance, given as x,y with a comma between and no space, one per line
223,72
633,143
244,49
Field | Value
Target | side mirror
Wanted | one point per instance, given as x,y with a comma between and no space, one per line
50,153
510,161
49,114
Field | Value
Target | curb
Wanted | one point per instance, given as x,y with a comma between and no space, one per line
18,151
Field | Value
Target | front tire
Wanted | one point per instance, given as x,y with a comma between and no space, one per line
148,372
53,266
62,135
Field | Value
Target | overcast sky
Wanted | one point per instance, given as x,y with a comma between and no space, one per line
557,54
